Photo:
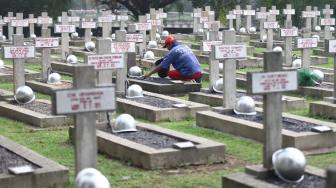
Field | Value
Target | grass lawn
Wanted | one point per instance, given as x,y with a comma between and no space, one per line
329,65
55,145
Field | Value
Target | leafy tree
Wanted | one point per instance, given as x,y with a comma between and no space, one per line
299,6
53,7
139,7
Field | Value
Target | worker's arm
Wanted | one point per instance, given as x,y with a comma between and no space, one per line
155,70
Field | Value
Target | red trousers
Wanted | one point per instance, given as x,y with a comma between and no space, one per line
176,75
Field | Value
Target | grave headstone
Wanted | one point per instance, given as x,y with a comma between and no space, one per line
317,14
155,23
162,15
46,42
122,18
331,177
289,32
83,101
229,51
213,63
196,14
44,20
306,43
106,21
2,23
32,21
88,24
10,29
249,13
120,46
271,83
331,48
18,52
137,38
143,26
270,25
231,17
327,21
65,28
19,23
308,14
238,12
262,17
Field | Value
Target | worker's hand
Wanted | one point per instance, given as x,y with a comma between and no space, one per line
146,76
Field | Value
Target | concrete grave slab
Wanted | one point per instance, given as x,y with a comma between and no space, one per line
323,108
152,113
34,118
46,88
249,178
63,68
325,90
6,74
47,173
168,87
323,142
212,99
149,157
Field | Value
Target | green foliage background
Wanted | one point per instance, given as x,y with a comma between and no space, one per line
53,7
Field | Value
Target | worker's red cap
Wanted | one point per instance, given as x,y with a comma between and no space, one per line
169,40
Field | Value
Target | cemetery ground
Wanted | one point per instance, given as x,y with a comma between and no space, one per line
54,143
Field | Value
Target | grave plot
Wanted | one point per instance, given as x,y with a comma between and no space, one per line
156,107
296,131
153,147
216,99
47,88
6,74
36,113
42,172
327,108
325,89
313,177
166,86
44,84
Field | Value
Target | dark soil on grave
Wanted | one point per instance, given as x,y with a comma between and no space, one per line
10,159
309,181
154,101
147,137
36,106
156,80
287,123
238,95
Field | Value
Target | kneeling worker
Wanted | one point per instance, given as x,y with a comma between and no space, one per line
183,60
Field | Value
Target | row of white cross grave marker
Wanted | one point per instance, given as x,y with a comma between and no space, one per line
84,100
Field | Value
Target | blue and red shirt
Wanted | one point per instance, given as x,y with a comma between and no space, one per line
182,59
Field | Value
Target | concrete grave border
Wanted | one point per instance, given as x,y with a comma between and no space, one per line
29,75
288,103
249,179
152,113
44,88
206,151
323,108
323,142
49,174
306,91
34,118
176,87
